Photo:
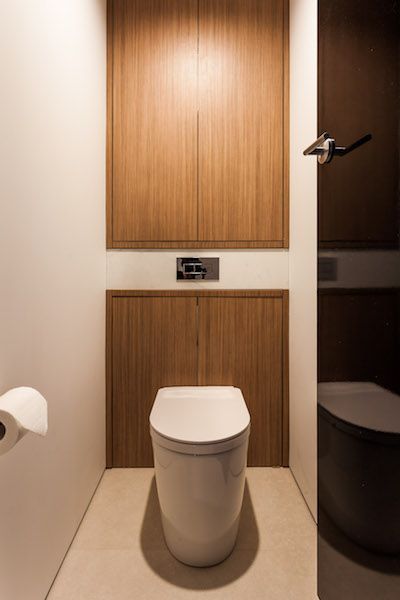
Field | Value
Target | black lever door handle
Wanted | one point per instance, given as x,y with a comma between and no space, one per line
342,150
325,147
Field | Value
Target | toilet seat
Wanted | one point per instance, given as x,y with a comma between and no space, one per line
199,420
199,449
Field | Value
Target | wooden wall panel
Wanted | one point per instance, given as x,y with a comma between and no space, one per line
191,337
240,344
154,120
154,344
241,91
197,126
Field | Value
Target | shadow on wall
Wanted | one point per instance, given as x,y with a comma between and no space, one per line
166,566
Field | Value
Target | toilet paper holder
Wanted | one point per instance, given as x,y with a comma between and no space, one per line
22,410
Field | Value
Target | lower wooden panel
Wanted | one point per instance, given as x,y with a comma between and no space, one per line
240,344
154,344
163,338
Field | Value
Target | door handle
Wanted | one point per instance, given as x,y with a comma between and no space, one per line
325,147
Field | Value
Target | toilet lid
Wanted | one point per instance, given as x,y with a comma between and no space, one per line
199,415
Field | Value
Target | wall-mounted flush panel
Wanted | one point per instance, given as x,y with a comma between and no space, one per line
197,268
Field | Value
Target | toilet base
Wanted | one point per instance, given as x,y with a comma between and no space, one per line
195,554
200,499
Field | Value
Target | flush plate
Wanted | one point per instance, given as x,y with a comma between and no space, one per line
200,269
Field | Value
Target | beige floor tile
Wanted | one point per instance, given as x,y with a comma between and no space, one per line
119,552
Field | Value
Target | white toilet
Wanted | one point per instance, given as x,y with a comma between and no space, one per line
200,438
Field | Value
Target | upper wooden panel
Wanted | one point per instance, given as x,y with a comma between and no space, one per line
241,94
154,120
197,141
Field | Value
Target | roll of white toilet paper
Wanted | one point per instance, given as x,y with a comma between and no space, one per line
22,410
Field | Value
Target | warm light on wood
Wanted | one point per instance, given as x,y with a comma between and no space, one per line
197,124
221,337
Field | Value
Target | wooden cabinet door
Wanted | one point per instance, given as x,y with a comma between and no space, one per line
153,344
153,119
197,140
241,118
241,344
167,338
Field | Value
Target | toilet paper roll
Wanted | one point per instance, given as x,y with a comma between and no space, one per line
22,410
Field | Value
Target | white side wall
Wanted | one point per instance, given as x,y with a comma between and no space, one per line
52,274
303,248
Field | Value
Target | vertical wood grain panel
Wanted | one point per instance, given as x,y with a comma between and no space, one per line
240,344
109,126
154,120
197,124
285,379
109,378
286,123
154,344
221,337
241,91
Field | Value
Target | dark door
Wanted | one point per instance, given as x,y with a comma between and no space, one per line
358,304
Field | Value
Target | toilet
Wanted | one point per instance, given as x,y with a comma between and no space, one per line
200,438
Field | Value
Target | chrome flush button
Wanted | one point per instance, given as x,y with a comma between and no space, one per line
189,268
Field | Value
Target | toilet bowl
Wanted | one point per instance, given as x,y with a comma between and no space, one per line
200,439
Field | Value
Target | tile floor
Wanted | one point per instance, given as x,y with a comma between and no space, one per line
119,552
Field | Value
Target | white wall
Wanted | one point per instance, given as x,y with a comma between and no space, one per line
52,274
155,269
303,248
